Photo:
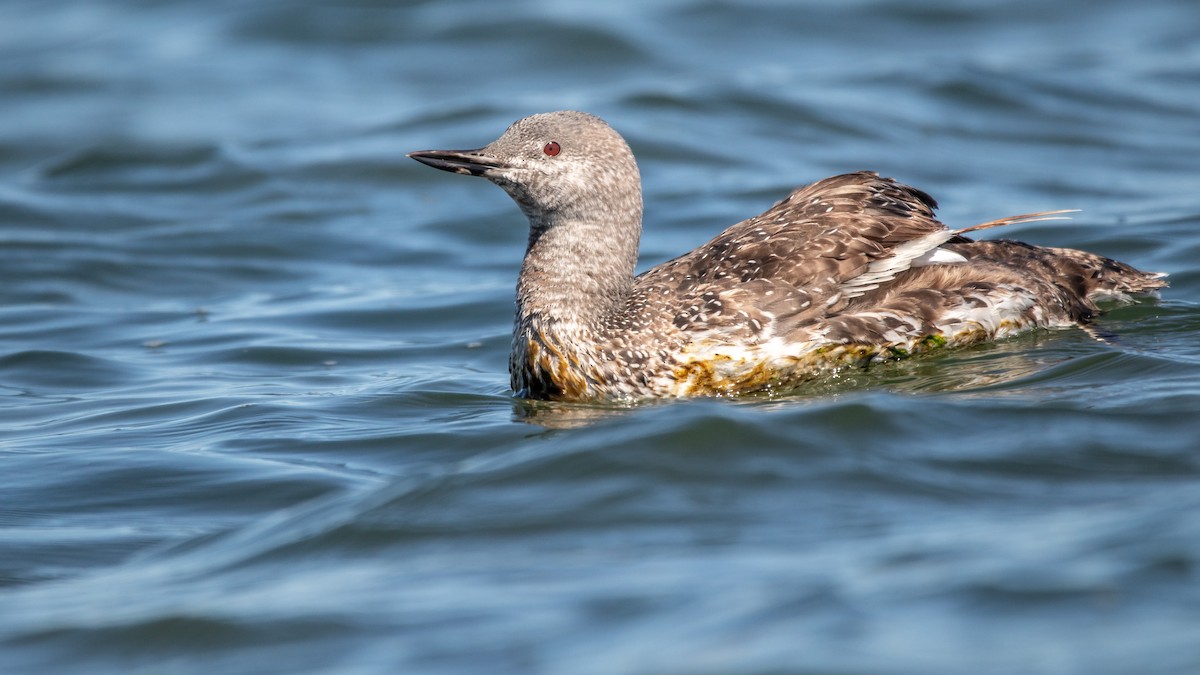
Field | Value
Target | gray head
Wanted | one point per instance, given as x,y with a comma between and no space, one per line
558,166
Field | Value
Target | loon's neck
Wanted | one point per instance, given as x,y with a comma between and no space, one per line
578,272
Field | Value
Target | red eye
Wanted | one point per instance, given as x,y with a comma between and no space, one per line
552,148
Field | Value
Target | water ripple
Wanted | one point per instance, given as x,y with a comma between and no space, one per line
253,390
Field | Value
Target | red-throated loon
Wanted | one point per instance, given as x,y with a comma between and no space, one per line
846,271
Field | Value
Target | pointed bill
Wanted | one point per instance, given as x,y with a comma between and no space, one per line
466,162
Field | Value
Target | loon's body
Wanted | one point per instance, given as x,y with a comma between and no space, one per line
848,270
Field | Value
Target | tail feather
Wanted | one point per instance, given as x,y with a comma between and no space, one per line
1023,218
1094,276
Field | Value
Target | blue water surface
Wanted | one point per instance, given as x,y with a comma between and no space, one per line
254,407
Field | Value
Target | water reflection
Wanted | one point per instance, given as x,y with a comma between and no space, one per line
559,415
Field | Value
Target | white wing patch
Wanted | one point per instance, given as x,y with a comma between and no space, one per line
903,257
938,256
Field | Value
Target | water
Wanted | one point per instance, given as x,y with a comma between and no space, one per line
254,414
